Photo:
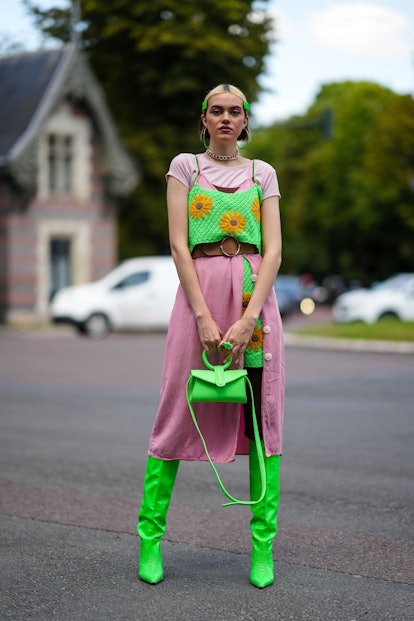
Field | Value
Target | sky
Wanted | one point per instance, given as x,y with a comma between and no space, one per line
317,42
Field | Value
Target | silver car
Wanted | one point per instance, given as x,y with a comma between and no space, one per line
393,297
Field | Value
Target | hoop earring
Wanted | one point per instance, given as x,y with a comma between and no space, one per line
204,136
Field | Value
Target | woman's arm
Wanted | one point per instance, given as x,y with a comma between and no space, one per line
240,332
177,196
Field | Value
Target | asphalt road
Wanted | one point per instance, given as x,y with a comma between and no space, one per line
75,418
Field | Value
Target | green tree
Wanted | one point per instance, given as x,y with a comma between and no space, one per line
348,200
156,60
386,189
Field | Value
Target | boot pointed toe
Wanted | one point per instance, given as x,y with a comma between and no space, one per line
262,572
150,562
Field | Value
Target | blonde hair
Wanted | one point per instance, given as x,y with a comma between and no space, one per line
225,88
218,90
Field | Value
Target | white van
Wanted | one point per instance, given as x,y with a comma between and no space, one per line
137,295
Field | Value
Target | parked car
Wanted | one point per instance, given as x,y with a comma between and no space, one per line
137,295
290,294
393,297
288,291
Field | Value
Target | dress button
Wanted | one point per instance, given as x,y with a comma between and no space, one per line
268,356
253,277
267,329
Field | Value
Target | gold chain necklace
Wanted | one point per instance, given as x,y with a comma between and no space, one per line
222,158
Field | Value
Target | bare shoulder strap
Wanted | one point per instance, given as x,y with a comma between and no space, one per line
196,170
254,171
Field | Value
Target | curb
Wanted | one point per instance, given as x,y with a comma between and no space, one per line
358,345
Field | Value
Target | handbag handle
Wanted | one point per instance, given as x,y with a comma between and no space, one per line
211,366
258,443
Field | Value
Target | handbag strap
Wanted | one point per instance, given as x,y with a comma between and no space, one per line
259,449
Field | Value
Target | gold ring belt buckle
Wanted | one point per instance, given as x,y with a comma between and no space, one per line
227,254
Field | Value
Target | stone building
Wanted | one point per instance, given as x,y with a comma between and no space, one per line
62,168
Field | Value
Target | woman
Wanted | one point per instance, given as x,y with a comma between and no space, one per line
225,238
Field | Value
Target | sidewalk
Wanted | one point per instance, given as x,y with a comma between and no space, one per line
322,315
362,345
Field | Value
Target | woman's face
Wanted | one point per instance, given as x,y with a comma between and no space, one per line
224,118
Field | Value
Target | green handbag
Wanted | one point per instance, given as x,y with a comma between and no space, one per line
220,384
217,383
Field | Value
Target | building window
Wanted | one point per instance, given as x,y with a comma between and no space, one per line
60,164
65,166
59,264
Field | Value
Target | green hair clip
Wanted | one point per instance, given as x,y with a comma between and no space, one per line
204,106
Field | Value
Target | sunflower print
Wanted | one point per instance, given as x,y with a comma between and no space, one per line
256,340
256,209
232,223
245,300
200,206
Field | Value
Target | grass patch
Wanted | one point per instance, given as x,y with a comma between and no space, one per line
384,330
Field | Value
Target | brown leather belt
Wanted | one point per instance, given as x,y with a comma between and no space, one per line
228,247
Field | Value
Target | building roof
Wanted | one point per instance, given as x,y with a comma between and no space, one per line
31,84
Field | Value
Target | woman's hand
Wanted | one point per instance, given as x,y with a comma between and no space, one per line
209,333
239,335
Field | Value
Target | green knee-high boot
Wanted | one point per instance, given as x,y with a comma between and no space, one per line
152,521
264,521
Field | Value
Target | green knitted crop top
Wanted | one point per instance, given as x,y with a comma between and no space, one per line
214,214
